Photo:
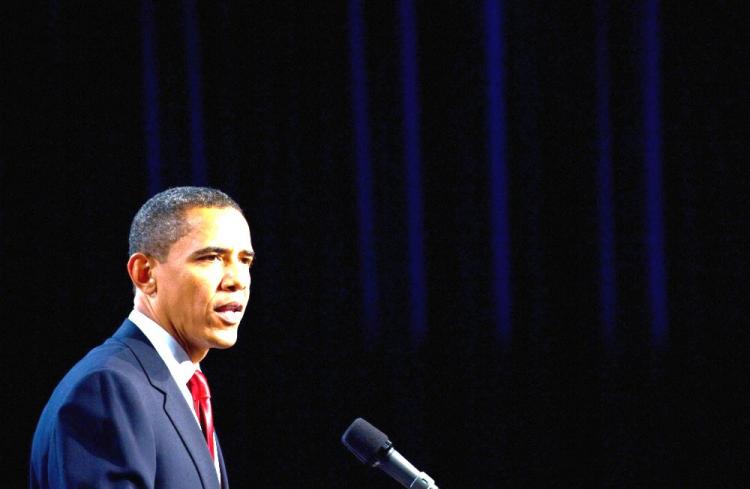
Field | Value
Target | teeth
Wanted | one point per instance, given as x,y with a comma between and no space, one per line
230,315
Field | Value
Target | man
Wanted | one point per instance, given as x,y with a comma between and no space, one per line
135,412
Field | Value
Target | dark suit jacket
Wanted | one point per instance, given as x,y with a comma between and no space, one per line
118,420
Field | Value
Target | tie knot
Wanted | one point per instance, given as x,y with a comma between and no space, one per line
198,386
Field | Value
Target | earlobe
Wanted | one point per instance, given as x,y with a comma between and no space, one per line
150,288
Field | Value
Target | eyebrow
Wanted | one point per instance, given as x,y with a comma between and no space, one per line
221,251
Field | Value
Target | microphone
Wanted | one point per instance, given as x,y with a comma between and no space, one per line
372,447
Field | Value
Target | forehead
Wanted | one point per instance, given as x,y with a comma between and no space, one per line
225,227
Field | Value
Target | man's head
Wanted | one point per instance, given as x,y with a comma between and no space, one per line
190,258
160,222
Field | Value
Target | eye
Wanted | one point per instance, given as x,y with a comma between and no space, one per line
211,257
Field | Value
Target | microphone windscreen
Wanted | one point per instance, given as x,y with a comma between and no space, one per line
366,441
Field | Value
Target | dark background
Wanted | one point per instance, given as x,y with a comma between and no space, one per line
509,234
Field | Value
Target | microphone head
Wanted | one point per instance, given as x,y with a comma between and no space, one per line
365,441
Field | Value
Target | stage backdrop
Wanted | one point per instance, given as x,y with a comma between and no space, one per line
506,233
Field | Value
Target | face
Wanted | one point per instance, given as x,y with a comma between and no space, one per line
203,286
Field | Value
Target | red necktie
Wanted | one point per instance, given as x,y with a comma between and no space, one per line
198,386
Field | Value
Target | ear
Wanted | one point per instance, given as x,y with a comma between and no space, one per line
140,269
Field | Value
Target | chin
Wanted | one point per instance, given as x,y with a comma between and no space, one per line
225,339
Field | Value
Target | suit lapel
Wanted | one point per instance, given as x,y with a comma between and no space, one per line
175,407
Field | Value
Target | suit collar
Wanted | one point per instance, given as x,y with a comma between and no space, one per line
176,408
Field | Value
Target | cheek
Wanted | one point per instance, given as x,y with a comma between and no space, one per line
190,294
205,286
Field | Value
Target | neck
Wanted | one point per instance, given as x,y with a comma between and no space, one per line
142,304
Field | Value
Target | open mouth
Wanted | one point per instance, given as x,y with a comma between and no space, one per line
230,313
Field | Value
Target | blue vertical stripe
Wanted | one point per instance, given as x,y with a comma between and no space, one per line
413,162
607,277
365,205
653,163
497,145
150,97
195,94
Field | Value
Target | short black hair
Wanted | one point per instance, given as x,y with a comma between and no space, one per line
160,222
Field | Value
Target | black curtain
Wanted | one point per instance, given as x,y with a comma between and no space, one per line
509,234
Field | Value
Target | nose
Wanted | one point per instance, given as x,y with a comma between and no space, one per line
236,277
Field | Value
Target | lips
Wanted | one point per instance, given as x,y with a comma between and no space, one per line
230,313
